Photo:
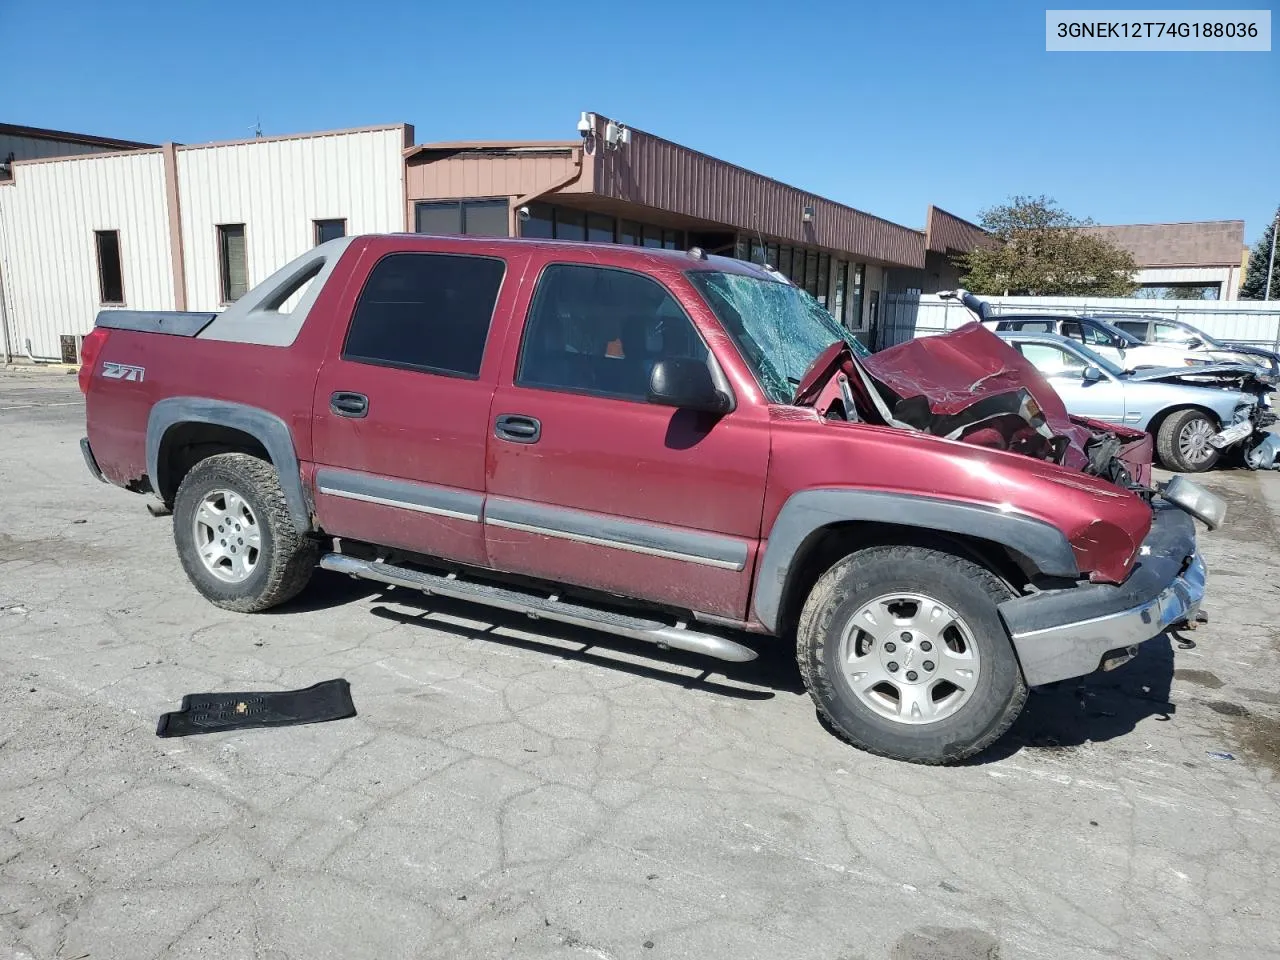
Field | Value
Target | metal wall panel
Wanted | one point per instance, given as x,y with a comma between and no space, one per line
48,256
277,188
35,148
446,175
658,173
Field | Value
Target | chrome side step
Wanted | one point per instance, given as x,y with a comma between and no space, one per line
656,632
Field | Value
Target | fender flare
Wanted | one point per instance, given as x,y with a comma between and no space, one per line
809,511
268,429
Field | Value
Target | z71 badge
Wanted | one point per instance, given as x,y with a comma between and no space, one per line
123,371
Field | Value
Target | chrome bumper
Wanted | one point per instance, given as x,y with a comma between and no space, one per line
1060,634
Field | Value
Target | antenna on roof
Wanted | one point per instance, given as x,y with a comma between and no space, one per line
257,128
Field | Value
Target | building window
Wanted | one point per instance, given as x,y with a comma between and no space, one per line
652,236
811,272
824,278
541,224
600,228
571,225
110,274
842,280
327,230
600,331
232,262
427,312
784,261
629,232
673,239
771,254
853,305
472,218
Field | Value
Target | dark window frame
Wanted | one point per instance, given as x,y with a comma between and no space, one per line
103,299
224,263
316,226
418,367
583,391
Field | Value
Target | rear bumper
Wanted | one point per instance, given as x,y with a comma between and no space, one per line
89,460
1060,634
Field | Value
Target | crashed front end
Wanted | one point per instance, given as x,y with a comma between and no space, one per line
971,386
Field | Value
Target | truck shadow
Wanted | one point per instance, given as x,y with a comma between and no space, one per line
1092,709
773,671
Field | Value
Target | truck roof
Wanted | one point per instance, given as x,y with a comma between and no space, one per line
681,259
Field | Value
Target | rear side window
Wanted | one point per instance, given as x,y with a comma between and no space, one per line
426,311
1136,327
599,330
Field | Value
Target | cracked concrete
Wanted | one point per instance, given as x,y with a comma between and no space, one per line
512,789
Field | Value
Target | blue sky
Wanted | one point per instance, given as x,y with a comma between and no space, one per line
887,106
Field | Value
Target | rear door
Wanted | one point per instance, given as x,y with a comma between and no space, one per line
591,485
401,407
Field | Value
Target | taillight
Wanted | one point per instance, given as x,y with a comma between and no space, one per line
90,347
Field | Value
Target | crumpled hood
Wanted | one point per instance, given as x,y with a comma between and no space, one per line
956,371
1259,375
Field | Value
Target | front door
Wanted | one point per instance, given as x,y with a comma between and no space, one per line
1100,399
591,485
401,408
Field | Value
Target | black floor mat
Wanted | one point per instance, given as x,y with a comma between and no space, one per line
214,712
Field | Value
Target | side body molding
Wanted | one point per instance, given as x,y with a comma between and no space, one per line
267,428
808,511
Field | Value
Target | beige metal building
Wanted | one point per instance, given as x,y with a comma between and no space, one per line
179,227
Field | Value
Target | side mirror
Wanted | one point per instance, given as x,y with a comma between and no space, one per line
686,384
1195,343
1091,374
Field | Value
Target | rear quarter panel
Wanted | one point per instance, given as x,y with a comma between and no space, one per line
278,379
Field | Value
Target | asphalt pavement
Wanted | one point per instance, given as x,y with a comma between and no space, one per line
513,789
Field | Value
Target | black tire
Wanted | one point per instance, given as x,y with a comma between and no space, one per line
284,561
972,594
1172,429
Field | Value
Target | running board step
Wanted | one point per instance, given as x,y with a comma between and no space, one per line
663,635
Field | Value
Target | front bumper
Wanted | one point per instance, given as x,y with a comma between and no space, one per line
1060,634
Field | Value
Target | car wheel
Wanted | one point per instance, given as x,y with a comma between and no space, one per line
1182,442
235,537
904,653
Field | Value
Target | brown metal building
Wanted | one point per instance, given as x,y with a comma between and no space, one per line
619,185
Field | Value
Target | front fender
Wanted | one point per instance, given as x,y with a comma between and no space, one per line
810,511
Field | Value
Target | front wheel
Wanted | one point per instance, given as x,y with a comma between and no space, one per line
235,537
903,651
1182,441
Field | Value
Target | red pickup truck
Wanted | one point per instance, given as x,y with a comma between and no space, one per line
674,447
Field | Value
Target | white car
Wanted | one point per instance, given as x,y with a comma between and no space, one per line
1123,349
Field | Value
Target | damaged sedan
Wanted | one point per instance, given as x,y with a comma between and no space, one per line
1193,416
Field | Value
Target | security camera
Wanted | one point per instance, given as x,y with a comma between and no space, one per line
585,126
523,213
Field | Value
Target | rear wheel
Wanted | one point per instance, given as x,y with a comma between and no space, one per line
1182,441
903,651
235,537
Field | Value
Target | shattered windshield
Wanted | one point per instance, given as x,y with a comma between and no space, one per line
778,328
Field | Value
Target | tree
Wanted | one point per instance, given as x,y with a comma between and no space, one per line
1040,250
1255,278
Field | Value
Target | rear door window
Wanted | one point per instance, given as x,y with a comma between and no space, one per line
1136,327
600,330
426,311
